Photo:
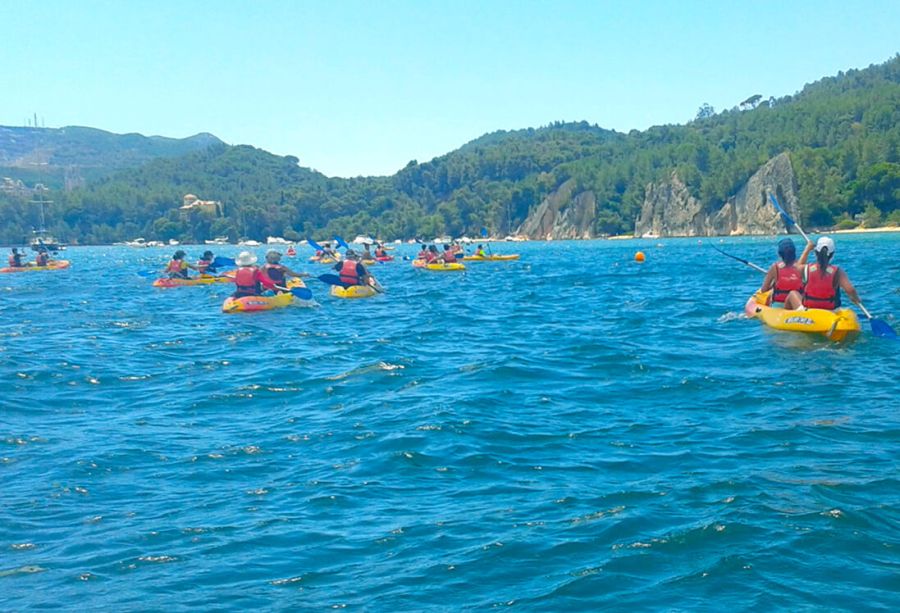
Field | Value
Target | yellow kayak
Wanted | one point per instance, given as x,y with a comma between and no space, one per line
491,258
354,291
840,325
323,260
53,265
247,304
200,280
444,267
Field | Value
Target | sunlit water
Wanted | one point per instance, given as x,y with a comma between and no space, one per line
571,431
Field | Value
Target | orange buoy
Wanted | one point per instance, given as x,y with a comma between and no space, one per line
639,256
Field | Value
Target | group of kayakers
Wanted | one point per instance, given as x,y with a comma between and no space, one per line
251,280
41,258
798,285
450,255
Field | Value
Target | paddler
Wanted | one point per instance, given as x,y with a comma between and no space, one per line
248,278
787,275
42,258
480,252
448,256
432,255
277,272
457,249
15,259
328,252
205,264
822,282
353,272
423,253
177,268
366,254
380,252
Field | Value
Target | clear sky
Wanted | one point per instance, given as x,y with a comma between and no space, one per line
361,87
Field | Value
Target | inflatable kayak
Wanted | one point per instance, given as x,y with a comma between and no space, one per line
54,265
840,325
444,267
201,280
249,304
491,258
354,291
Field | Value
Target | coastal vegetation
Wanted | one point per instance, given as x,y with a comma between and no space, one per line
842,134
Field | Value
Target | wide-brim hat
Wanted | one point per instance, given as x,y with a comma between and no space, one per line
245,259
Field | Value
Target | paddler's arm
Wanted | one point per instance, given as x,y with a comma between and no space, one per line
265,280
806,251
769,282
299,275
844,282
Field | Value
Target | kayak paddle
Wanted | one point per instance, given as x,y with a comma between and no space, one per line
223,262
787,218
341,242
879,326
303,293
741,260
314,244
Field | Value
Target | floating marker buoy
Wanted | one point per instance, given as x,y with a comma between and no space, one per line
639,256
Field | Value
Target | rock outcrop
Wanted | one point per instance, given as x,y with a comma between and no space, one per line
670,210
562,216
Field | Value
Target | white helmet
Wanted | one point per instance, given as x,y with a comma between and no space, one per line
825,244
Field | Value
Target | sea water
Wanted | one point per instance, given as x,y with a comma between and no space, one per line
569,431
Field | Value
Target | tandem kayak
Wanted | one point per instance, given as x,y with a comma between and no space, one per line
201,280
491,258
354,291
444,267
54,265
248,304
840,325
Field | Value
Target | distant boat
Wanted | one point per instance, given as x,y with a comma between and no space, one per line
173,242
277,240
40,240
363,240
249,243
219,240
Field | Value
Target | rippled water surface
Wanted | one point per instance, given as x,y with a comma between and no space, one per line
572,431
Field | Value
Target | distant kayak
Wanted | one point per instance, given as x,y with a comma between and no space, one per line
323,260
354,291
385,258
201,280
54,265
838,326
444,267
491,258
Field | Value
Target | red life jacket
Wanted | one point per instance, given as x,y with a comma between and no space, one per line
449,258
202,265
380,253
821,291
176,267
787,279
348,273
423,255
431,256
275,272
41,259
247,281
13,261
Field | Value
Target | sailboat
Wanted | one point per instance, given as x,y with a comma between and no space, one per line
40,240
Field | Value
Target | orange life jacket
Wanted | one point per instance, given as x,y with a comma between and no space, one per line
787,279
449,257
247,281
821,291
275,272
348,273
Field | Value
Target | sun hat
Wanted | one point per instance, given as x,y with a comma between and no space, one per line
245,259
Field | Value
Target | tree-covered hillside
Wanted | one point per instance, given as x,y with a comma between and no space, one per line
842,134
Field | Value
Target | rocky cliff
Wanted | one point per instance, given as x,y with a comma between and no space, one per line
562,216
670,210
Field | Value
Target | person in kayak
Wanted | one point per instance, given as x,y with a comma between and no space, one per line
42,258
448,256
480,252
366,254
248,278
380,251
15,259
177,268
277,272
328,252
205,264
352,271
822,282
432,255
423,253
787,275
457,249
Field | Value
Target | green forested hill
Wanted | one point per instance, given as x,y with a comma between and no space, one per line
842,134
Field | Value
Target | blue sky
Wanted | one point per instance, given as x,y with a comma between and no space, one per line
360,88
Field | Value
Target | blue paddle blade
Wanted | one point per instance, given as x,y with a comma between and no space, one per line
882,329
222,262
341,242
787,218
484,232
314,244
303,293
